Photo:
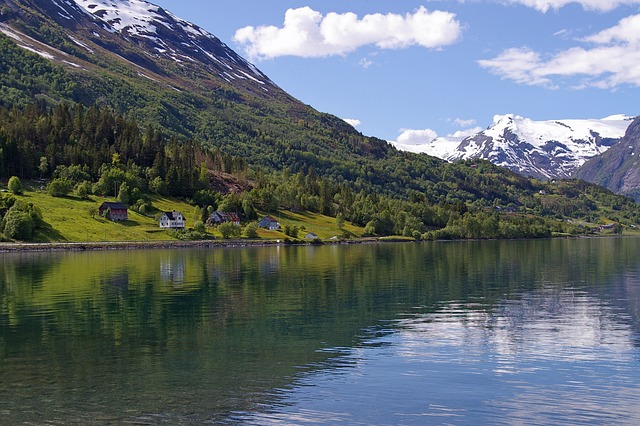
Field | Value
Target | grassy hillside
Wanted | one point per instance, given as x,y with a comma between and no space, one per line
73,219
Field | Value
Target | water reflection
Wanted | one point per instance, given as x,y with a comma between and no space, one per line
544,358
558,354
498,332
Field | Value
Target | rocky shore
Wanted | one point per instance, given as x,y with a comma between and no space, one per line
135,245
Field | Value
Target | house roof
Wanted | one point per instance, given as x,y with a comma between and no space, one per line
226,215
269,218
113,205
173,215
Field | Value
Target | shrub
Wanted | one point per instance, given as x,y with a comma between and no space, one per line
15,185
59,187
83,189
369,229
229,230
291,231
251,230
18,224
198,226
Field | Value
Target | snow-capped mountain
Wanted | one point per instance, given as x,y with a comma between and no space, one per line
543,149
142,61
167,35
166,45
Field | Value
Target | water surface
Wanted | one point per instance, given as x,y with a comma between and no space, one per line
509,332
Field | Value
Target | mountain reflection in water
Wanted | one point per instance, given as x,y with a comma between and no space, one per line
535,332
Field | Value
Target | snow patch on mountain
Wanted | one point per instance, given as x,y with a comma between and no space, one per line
546,149
132,17
169,35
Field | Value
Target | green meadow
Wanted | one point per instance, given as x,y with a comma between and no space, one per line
73,219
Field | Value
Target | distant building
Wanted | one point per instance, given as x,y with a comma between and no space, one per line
311,236
218,217
114,211
172,220
269,223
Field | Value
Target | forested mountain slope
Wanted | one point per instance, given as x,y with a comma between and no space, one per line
93,98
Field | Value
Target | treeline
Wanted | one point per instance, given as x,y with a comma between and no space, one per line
97,151
88,144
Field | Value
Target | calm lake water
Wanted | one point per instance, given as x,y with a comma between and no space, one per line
506,332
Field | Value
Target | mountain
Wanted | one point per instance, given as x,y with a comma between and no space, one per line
140,59
542,149
617,169
162,38
99,94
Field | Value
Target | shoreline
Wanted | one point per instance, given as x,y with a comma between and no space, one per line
7,247
168,244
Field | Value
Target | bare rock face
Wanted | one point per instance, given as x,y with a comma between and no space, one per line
618,169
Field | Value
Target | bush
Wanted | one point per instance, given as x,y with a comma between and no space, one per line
7,200
59,187
18,224
291,231
369,229
189,234
83,189
229,230
251,230
198,226
15,185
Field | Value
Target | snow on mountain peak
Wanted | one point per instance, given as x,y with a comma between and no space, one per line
170,36
547,149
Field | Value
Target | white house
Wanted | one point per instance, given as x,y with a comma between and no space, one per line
269,223
172,220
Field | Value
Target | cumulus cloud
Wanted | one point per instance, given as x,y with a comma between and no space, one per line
409,137
307,33
353,121
595,5
461,134
612,58
416,137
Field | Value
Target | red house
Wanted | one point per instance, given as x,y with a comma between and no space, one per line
114,211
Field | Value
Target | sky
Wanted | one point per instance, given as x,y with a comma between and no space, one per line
410,71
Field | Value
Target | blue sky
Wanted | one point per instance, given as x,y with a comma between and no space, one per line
413,70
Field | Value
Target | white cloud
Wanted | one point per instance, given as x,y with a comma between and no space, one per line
461,134
612,60
627,31
462,122
307,33
596,5
353,121
416,137
365,63
427,141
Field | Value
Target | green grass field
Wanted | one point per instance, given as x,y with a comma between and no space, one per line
74,219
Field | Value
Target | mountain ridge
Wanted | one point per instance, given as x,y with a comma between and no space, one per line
617,169
542,149
196,99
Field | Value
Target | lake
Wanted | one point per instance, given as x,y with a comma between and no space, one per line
483,332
